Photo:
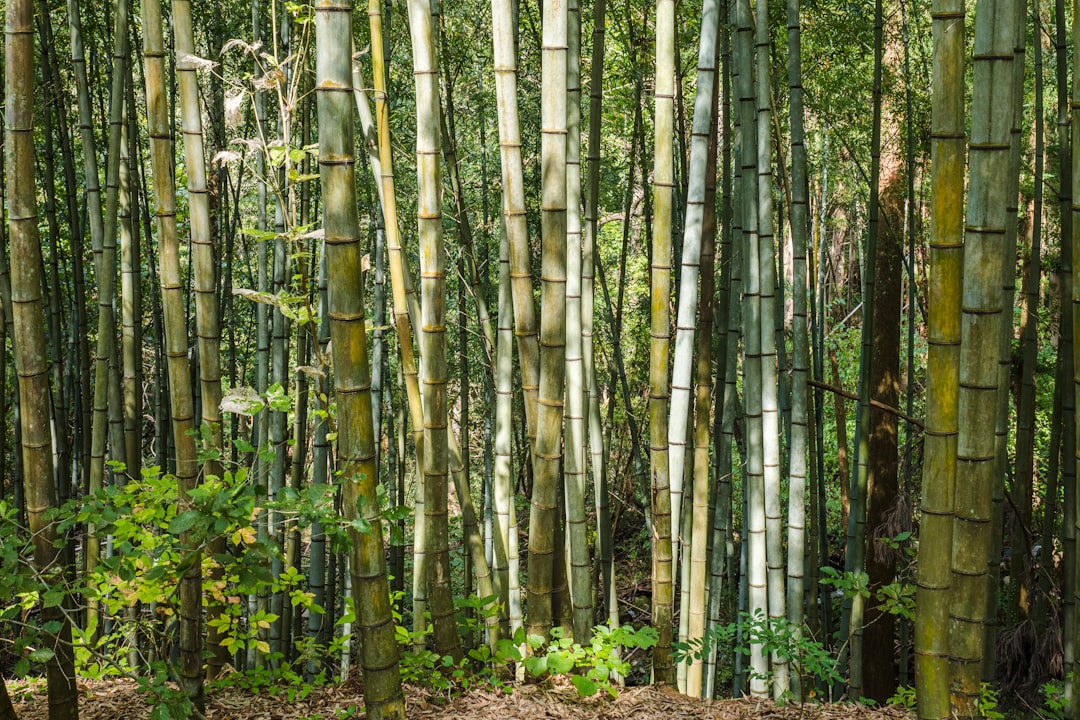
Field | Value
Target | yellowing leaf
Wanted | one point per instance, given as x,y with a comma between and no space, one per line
244,536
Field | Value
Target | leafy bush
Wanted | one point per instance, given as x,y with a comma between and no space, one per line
593,667
776,636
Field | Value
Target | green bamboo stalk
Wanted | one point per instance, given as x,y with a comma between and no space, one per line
176,343
1065,350
131,298
104,238
912,300
665,518
581,585
701,532
356,441
547,452
855,556
319,623
403,298
263,320
798,455
53,288
943,360
516,268
1008,300
770,361
699,226
476,554
504,41
503,488
28,340
754,481
722,547
606,591
981,331
685,324
207,319
433,371
92,189
1024,448
280,272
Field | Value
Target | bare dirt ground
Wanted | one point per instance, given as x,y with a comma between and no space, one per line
120,700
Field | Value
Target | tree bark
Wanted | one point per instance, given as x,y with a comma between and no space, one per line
879,674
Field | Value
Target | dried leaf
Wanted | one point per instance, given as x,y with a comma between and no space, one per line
255,296
198,62
242,401
224,157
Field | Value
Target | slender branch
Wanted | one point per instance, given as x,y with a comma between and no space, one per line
876,403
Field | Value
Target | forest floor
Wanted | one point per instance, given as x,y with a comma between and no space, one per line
121,700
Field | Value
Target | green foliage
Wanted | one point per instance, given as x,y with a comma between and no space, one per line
170,703
22,589
278,680
777,636
472,613
851,584
988,703
442,673
148,560
1055,701
904,697
898,598
592,667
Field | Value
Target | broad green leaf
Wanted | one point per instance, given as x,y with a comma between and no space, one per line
585,686
560,663
184,522
536,664
508,650
41,655
258,234
52,598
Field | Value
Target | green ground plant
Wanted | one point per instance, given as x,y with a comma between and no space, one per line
593,667
779,637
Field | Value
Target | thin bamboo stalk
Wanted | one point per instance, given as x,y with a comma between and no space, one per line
665,517
544,520
581,580
176,344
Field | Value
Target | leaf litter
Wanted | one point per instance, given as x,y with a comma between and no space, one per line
120,699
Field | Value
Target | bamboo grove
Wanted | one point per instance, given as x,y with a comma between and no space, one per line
732,343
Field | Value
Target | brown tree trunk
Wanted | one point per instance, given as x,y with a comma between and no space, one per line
7,710
879,671
840,411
